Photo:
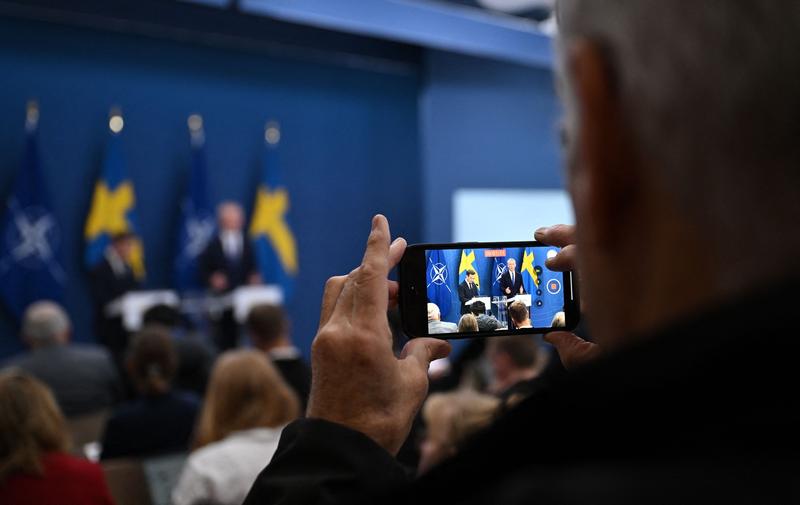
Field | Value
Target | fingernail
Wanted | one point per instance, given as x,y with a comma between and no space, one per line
396,240
540,231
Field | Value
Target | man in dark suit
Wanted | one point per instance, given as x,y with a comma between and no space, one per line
268,328
467,290
511,280
688,393
111,278
227,263
82,377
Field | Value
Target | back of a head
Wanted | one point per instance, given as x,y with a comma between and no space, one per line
457,415
162,315
266,324
151,361
433,312
710,92
478,308
245,391
518,313
522,350
45,323
467,323
30,424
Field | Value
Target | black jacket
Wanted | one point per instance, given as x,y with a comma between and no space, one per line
213,259
106,286
466,294
505,282
704,411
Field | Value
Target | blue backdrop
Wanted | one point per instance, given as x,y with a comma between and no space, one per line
349,146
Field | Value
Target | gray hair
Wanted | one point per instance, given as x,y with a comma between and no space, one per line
433,312
712,93
44,322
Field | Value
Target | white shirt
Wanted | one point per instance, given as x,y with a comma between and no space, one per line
224,472
231,243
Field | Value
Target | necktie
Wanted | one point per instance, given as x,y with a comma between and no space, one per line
512,278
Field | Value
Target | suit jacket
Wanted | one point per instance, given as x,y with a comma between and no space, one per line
465,294
106,286
505,282
213,259
701,411
83,378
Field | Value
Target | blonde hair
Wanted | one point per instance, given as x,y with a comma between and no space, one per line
31,424
468,322
453,417
245,391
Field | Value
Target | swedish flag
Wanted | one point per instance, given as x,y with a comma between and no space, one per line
468,262
530,277
113,208
273,240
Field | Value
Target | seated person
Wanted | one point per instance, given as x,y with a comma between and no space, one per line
82,377
520,315
34,465
435,323
194,356
486,322
247,406
559,320
161,420
468,323
450,419
268,328
514,359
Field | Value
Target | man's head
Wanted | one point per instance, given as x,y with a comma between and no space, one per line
478,308
162,315
510,355
433,312
511,264
122,243
268,326
230,216
518,313
681,133
470,276
44,324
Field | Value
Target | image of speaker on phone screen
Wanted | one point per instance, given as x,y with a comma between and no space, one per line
465,290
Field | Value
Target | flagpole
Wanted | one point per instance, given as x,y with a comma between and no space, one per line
31,116
115,121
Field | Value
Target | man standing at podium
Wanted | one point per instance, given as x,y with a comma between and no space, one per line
511,281
227,263
467,290
109,279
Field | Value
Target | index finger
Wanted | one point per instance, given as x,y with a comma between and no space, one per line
560,235
371,296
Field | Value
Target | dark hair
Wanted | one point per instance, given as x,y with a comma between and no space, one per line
267,322
521,349
518,312
151,361
470,271
163,315
478,308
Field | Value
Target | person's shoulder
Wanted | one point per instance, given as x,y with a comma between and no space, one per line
20,360
186,398
88,352
78,468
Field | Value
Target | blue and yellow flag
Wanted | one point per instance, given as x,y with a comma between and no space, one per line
530,276
113,208
30,236
468,261
274,243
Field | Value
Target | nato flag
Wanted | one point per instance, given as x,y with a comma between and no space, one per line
30,238
437,281
197,224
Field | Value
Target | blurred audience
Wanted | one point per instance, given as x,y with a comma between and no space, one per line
83,378
162,419
435,323
519,314
514,360
450,419
486,322
247,405
194,357
467,324
35,468
269,330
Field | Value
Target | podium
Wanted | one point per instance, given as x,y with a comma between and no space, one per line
526,299
487,302
132,305
242,299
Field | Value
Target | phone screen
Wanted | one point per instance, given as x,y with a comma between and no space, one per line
464,290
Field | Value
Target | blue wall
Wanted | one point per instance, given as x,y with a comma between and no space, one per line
484,124
349,146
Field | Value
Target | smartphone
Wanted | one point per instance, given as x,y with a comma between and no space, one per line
474,289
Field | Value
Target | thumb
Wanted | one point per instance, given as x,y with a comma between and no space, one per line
425,350
572,349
